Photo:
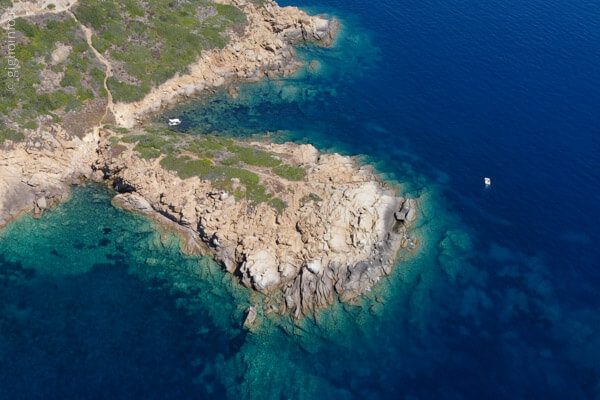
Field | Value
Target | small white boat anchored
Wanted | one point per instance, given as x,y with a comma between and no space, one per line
487,181
174,121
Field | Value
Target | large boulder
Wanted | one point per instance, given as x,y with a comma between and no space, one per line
263,269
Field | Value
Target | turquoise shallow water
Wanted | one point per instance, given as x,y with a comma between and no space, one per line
96,303
499,302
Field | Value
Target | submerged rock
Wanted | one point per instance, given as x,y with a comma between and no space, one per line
251,315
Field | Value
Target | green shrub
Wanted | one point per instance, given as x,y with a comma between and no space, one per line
34,52
147,153
5,3
31,124
71,78
289,172
125,31
278,204
10,134
123,92
187,168
252,156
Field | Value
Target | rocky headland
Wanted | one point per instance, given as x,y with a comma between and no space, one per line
330,230
302,227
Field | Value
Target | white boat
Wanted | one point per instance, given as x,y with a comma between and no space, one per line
487,181
174,121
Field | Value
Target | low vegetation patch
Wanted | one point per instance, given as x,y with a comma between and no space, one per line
4,4
10,134
229,165
152,40
55,72
290,172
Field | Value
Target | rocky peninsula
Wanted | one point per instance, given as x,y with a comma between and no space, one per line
302,227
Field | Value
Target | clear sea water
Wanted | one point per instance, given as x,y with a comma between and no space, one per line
501,301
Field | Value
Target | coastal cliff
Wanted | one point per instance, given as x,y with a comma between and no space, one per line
301,227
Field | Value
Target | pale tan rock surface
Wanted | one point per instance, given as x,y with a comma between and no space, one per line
38,173
35,7
339,234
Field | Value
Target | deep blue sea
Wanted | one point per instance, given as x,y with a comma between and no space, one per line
502,300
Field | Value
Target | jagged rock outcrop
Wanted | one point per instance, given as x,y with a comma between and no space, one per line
38,173
339,234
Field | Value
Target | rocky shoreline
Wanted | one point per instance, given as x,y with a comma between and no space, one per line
304,241
264,50
39,173
51,160
341,229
